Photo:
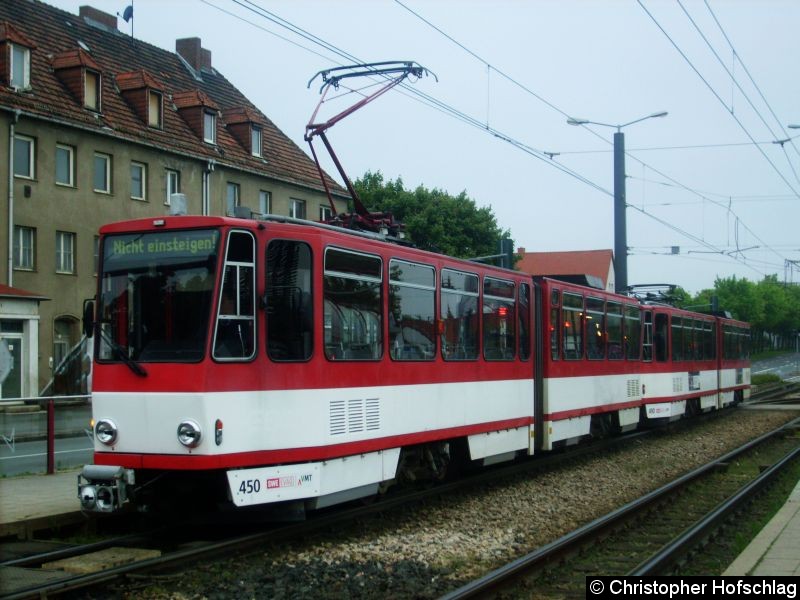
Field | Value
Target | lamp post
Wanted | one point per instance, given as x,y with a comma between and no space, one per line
620,234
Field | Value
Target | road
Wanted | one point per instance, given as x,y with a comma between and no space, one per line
786,366
31,457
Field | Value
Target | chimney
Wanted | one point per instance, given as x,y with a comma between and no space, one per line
193,53
97,17
521,251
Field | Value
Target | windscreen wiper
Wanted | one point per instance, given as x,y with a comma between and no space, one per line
119,351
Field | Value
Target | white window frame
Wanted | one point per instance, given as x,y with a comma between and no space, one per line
294,203
91,98
237,197
209,127
65,252
143,171
70,165
155,105
172,176
31,156
24,257
26,67
256,140
325,212
107,177
264,202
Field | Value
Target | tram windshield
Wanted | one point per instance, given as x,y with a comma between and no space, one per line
156,296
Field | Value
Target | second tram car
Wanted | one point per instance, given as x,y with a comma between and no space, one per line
275,360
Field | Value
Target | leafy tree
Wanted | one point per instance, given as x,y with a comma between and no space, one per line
434,219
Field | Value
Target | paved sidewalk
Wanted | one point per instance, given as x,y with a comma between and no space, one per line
776,549
28,502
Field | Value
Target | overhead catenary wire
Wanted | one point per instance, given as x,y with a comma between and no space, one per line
455,113
718,97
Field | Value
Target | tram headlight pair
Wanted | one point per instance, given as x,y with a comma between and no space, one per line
189,434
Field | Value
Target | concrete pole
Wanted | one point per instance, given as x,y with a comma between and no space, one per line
620,233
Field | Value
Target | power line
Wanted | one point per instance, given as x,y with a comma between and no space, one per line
717,96
747,71
467,119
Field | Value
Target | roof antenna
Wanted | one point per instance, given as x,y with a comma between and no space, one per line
127,15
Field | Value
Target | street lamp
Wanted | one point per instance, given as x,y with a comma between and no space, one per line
620,234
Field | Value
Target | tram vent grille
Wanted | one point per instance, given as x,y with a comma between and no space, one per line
633,388
677,384
354,416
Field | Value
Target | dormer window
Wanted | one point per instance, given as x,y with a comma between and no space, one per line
209,127
144,94
20,67
154,111
91,90
80,74
15,57
246,125
255,140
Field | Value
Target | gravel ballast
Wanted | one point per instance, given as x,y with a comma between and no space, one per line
433,547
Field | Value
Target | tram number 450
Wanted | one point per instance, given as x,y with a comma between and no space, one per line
250,486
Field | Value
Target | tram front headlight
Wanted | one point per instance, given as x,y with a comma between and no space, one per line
105,430
189,434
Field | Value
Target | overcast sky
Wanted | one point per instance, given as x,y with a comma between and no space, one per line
707,178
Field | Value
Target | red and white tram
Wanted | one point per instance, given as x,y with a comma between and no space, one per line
264,361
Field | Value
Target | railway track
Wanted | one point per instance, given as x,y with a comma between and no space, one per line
649,536
779,393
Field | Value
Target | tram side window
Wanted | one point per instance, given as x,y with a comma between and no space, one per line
661,337
677,338
572,315
499,337
595,329
412,315
352,305
614,318
288,300
710,350
459,314
524,299
234,338
633,326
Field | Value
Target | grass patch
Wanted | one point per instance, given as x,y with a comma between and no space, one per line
764,378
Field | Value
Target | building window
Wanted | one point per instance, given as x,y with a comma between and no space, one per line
64,337
264,202
138,181
173,184
231,197
65,165
65,252
20,67
255,140
154,111
102,173
91,91
297,209
210,127
24,156
24,247
325,213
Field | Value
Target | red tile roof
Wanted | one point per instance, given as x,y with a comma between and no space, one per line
53,32
136,80
12,292
9,33
74,58
578,262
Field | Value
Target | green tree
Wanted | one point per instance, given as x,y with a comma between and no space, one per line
434,219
